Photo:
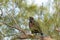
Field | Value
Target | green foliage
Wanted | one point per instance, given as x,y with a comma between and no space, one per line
31,8
1,1
48,24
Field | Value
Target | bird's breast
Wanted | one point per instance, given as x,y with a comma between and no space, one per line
31,25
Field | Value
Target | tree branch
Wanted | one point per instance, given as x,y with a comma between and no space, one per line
16,27
27,36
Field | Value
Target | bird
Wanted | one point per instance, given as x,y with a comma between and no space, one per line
34,26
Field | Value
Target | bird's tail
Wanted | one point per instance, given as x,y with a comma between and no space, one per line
42,37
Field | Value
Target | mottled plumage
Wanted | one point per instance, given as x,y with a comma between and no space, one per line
34,26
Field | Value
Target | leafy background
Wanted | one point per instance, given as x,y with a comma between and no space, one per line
18,12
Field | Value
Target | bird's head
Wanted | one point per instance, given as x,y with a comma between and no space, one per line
31,19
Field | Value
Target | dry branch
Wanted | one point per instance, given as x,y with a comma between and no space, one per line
27,36
16,27
24,35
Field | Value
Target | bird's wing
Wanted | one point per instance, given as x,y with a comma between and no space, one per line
37,26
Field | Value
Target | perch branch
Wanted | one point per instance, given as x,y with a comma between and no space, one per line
29,36
22,36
